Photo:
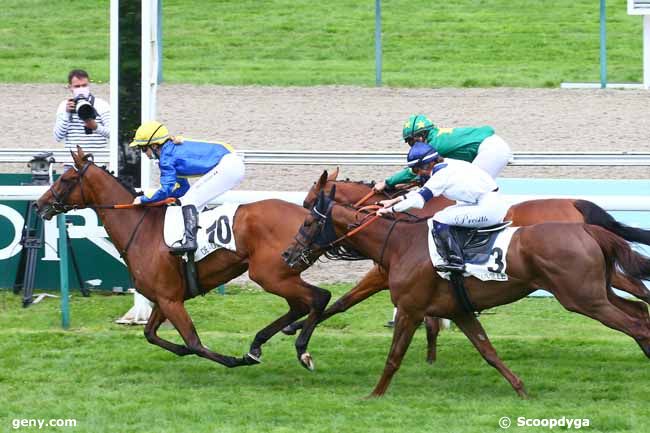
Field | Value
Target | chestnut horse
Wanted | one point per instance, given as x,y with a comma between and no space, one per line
574,261
521,214
261,230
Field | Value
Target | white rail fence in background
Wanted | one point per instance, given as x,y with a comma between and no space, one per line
607,202
368,158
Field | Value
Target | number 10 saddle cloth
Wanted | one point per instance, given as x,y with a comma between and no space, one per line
484,250
215,229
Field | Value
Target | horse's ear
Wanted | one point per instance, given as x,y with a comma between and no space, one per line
332,177
332,193
320,199
322,180
78,160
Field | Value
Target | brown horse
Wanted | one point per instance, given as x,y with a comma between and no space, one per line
261,230
574,261
521,214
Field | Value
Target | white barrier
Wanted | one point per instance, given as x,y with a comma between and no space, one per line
607,202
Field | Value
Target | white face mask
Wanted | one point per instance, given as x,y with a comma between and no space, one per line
81,91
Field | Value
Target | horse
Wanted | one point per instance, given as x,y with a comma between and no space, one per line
521,214
574,261
261,230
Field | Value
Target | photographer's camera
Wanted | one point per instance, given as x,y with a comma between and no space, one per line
85,110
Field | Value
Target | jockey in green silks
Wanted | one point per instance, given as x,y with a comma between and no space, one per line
478,145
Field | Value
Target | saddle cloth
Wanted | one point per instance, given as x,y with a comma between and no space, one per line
215,229
485,253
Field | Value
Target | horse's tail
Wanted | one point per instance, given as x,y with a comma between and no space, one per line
594,214
619,253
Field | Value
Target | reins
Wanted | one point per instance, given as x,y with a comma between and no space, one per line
372,192
369,219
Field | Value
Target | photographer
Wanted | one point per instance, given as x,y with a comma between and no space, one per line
82,119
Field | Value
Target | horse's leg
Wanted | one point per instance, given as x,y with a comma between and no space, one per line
150,332
320,299
176,313
633,286
302,297
600,308
432,325
635,309
373,282
405,325
473,329
296,310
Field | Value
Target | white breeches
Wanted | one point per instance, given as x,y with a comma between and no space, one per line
490,210
223,177
493,155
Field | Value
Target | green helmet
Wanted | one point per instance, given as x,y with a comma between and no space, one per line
415,124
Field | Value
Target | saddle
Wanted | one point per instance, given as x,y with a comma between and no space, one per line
477,243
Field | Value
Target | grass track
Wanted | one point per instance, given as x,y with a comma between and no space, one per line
465,43
110,379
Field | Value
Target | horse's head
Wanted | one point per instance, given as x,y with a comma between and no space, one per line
315,234
67,192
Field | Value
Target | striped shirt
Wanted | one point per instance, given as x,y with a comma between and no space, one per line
70,129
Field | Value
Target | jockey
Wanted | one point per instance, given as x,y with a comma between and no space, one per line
478,202
217,163
480,146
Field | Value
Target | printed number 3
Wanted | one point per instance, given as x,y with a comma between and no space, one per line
222,228
498,261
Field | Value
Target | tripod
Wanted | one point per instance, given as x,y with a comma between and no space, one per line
32,235
32,241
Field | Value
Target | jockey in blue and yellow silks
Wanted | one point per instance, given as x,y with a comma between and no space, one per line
217,163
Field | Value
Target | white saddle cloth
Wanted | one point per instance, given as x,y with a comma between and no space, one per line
215,229
492,270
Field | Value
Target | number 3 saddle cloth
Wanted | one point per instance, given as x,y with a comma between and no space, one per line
215,229
484,250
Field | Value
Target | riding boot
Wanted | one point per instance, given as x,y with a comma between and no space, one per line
449,248
191,221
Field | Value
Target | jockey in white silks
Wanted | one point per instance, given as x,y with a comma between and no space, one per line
478,202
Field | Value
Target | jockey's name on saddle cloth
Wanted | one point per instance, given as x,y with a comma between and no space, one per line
492,270
215,229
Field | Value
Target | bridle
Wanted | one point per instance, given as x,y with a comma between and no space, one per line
325,229
59,204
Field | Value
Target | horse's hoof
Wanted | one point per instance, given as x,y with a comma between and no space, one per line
306,361
288,330
252,359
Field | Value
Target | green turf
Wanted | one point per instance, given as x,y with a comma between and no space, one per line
110,379
465,43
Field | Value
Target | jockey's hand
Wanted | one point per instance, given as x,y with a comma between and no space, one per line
379,186
137,200
389,203
384,211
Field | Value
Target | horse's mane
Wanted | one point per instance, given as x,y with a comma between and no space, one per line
343,252
358,182
122,182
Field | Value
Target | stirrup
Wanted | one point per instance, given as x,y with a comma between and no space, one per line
178,248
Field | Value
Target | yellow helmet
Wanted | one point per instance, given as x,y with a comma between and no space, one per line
151,132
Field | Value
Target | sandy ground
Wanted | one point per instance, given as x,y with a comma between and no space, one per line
354,118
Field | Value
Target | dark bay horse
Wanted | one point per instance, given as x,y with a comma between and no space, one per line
521,214
574,261
262,230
